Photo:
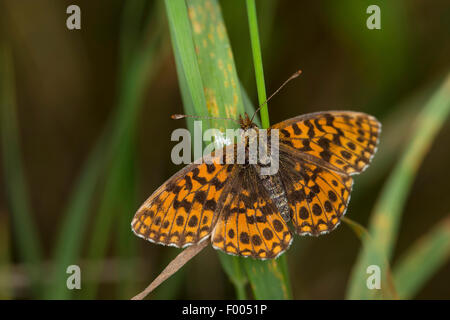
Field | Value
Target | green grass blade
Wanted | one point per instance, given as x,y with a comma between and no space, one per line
189,67
69,243
422,260
358,229
236,19
114,204
270,274
215,60
6,290
25,230
257,62
267,279
133,13
126,243
386,216
233,269
119,182
210,52
248,106
388,289
184,49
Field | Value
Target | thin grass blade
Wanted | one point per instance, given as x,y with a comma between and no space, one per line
6,290
387,290
70,239
139,64
271,279
25,230
422,260
386,216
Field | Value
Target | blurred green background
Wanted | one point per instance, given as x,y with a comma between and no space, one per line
85,125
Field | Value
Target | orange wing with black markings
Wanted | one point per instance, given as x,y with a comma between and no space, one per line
317,196
249,224
182,211
246,213
346,140
318,153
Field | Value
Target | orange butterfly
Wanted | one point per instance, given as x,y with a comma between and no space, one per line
251,215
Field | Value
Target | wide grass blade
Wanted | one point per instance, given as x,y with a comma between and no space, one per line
188,67
24,229
184,50
421,261
267,279
237,276
387,212
207,59
215,61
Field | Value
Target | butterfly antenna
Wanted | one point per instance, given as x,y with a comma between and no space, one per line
295,75
182,116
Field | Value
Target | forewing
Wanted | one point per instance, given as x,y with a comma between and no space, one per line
346,140
183,210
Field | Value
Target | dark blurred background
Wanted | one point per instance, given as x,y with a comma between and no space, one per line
67,87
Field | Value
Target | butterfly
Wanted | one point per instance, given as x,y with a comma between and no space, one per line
248,214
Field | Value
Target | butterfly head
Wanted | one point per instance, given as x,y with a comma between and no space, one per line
245,122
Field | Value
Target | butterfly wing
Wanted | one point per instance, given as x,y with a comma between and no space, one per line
183,210
346,140
317,196
249,224
318,153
